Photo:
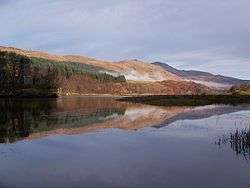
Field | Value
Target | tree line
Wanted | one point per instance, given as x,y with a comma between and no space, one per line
21,72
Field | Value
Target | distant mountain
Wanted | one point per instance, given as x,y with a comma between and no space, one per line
205,78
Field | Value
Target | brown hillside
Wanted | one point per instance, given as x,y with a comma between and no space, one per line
131,69
90,86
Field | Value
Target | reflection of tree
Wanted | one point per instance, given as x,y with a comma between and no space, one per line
20,118
239,141
17,118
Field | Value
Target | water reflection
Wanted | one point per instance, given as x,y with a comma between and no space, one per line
171,147
32,119
21,118
203,112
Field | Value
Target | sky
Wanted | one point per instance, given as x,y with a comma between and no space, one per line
208,35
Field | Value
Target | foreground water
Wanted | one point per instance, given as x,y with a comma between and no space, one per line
99,142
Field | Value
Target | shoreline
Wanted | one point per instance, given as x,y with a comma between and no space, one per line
148,99
187,100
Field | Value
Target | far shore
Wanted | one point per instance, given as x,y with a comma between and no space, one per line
187,100
149,99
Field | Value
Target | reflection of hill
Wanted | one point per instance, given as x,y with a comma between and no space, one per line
19,118
204,112
135,117
32,119
141,116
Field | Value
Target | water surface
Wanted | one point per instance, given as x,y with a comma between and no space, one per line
99,142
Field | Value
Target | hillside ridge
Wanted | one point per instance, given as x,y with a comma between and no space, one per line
132,69
205,78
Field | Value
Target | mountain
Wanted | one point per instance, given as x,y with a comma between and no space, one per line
28,73
132,69
205,78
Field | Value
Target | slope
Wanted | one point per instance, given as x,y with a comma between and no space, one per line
208,79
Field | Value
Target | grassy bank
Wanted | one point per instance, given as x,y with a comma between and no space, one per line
188,100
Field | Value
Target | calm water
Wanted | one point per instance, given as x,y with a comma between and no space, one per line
98,142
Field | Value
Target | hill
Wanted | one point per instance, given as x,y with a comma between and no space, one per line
31,73
205,78
131,69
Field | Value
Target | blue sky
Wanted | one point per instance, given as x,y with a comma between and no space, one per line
188,34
